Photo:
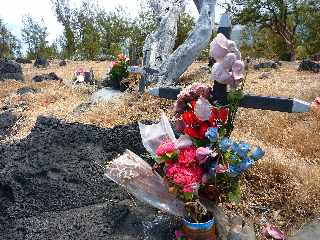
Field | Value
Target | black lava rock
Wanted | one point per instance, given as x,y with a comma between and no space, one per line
26,90
23,61
46,77
62,63
52,186
316,57
10,70
308,65
268,64
7,120
41,63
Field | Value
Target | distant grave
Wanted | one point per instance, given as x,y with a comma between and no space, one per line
41,63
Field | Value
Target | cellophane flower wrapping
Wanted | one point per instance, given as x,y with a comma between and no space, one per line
137,176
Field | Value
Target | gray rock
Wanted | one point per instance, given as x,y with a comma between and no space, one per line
309,232
10,70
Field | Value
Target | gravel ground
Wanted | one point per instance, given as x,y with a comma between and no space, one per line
52,188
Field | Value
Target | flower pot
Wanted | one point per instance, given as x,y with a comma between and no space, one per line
199,231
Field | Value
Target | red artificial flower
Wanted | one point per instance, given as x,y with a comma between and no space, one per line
187,156
190,118
218,114
193,103
223,114
203,129
190,131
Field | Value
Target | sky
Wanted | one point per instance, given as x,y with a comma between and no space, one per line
12,12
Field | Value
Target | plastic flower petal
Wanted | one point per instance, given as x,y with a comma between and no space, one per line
203,109
238,70
220,74
229,61
220,169
246,164
234,171
166,147
243,149
202,154
187,155
219,47
184,141
212,134
257,154
272,231
225,144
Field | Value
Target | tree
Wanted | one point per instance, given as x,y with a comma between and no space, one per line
65,16
185,24
34,35
9,44
282,17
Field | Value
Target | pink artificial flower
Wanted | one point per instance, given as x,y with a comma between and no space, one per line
238,69
219,47
166,147
203,109
186,177
220,169
184,141
269,230
187,156
315,106
202,154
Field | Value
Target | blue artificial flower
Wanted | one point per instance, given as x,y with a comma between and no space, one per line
234,170
246,164
243,149
225,144
257,154
212,134
235,147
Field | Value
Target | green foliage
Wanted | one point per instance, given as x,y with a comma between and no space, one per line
119,70
185,25
34,35
9,45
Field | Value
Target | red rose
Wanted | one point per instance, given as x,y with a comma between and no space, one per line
214,116
187,156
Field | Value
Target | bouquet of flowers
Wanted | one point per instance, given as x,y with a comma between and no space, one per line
118,70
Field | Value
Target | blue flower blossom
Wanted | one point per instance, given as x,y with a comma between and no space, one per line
257,154
243,149
212,134
225,144
234,170
246,164
235,147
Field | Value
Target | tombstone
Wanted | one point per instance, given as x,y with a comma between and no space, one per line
23,61
41,63
125,47
46,77
308,65
10,70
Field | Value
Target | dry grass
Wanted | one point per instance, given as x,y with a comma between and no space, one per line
284,188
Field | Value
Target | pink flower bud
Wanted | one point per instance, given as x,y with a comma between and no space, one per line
202,154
